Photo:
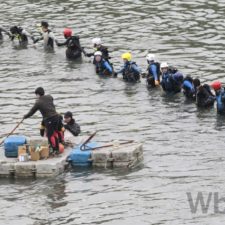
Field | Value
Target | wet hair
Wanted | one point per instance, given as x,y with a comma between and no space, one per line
40,91
68,114
196,82
188,78
44,24
15,30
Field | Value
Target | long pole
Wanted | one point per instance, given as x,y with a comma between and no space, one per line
12,131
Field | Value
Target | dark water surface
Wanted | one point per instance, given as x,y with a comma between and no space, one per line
183,146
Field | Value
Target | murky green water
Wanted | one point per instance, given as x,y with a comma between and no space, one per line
184,147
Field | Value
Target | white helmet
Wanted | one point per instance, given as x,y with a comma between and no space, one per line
164,65
96,41
150,57
98,53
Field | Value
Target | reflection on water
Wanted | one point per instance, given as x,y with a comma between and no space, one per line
183,146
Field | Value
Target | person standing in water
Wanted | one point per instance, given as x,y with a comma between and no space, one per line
97,44
153,71
70,124
102,67
72,43
47,36
21,35
130,71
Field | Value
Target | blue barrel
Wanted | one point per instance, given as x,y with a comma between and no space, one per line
11,145
80,157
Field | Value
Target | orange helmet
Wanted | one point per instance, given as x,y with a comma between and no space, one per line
216,85
67,32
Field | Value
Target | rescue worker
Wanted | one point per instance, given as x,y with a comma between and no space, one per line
52,121
74,49
5,31
153,71
220,97
97,43
70,124
21,35
189,88
204,96
130,70
171,78
47,36
102,66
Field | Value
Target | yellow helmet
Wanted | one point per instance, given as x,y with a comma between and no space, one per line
126,56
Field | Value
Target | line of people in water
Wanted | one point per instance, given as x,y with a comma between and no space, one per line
157,74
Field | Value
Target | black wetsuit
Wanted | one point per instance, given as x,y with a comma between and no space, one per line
103,50
20,34
204,96
74,49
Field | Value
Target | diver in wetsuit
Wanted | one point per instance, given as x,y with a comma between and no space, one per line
204,96
102,67
220,97
97,42
74,49
153,71
172,79
130,71
20,34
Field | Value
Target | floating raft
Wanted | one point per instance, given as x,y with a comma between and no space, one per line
128,155
11,167
114,156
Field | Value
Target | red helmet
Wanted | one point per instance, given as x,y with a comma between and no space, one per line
67,32
216,85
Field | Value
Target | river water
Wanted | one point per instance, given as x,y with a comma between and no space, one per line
183,146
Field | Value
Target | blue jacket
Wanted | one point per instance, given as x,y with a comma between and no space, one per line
172,82
189,89
103,67
153,70
220,99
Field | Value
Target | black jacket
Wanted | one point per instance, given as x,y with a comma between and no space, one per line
73,127
46,107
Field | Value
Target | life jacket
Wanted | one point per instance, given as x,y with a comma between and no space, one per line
177,81
150,74
172,82
166,82
22,38
129,74
220,99
101,68
150,79
74,43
